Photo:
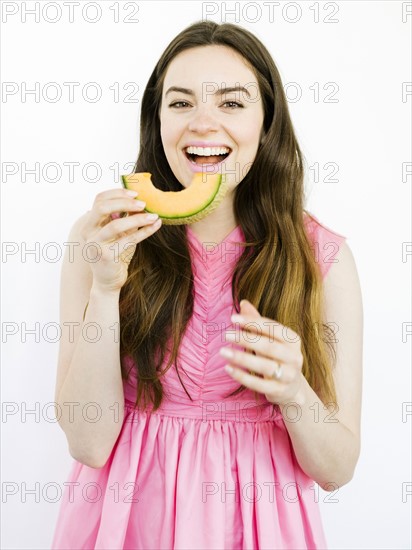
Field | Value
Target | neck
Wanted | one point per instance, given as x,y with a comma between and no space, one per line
217,225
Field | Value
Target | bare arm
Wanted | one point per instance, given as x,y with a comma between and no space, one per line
327,442
89,364
89,386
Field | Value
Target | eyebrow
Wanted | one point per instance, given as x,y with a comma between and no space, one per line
219,91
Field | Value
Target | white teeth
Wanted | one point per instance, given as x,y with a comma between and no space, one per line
207,151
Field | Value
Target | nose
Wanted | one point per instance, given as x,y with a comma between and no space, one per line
203,122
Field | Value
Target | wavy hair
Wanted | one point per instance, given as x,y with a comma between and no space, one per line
276,272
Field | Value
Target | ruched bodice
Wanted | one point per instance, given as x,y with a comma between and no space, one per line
211,472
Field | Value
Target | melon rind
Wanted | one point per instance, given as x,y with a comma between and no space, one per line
213,203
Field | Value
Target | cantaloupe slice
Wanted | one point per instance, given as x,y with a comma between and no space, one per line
179,207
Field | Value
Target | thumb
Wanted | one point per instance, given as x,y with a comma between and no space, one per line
248,309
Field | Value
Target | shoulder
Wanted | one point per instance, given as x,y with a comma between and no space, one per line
342,289
328,245
342,285
313,224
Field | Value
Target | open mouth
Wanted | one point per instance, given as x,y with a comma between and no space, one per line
207,155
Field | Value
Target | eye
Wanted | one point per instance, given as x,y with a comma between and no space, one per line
179,104
233,104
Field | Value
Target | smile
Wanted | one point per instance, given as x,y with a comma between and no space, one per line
206,155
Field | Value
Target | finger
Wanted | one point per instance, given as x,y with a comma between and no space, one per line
268,327
102,210
117,193
259,365
257,342
124,227
261,385
139,234
127,245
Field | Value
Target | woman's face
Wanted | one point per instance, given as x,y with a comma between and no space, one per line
204,127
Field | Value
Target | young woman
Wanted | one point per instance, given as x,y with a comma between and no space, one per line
173,450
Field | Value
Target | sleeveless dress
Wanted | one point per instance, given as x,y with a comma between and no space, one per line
211,473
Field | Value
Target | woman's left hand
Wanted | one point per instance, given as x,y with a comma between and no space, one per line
271,344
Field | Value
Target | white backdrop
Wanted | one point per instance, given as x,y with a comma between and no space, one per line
345,66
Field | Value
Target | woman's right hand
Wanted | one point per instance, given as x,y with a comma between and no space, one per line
115,237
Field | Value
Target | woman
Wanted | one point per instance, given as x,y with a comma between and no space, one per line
182,452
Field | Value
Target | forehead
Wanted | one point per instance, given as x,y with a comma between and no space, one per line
202,64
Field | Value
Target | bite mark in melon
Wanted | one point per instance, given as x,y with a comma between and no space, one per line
179,207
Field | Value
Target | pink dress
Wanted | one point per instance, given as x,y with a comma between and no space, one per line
212,473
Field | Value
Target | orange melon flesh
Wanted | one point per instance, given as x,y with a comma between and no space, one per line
179,207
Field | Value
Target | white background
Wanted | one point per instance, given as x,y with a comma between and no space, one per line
366,133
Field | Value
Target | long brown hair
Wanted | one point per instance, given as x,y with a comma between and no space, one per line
276,272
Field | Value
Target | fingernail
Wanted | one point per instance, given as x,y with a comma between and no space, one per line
226,352
131,193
